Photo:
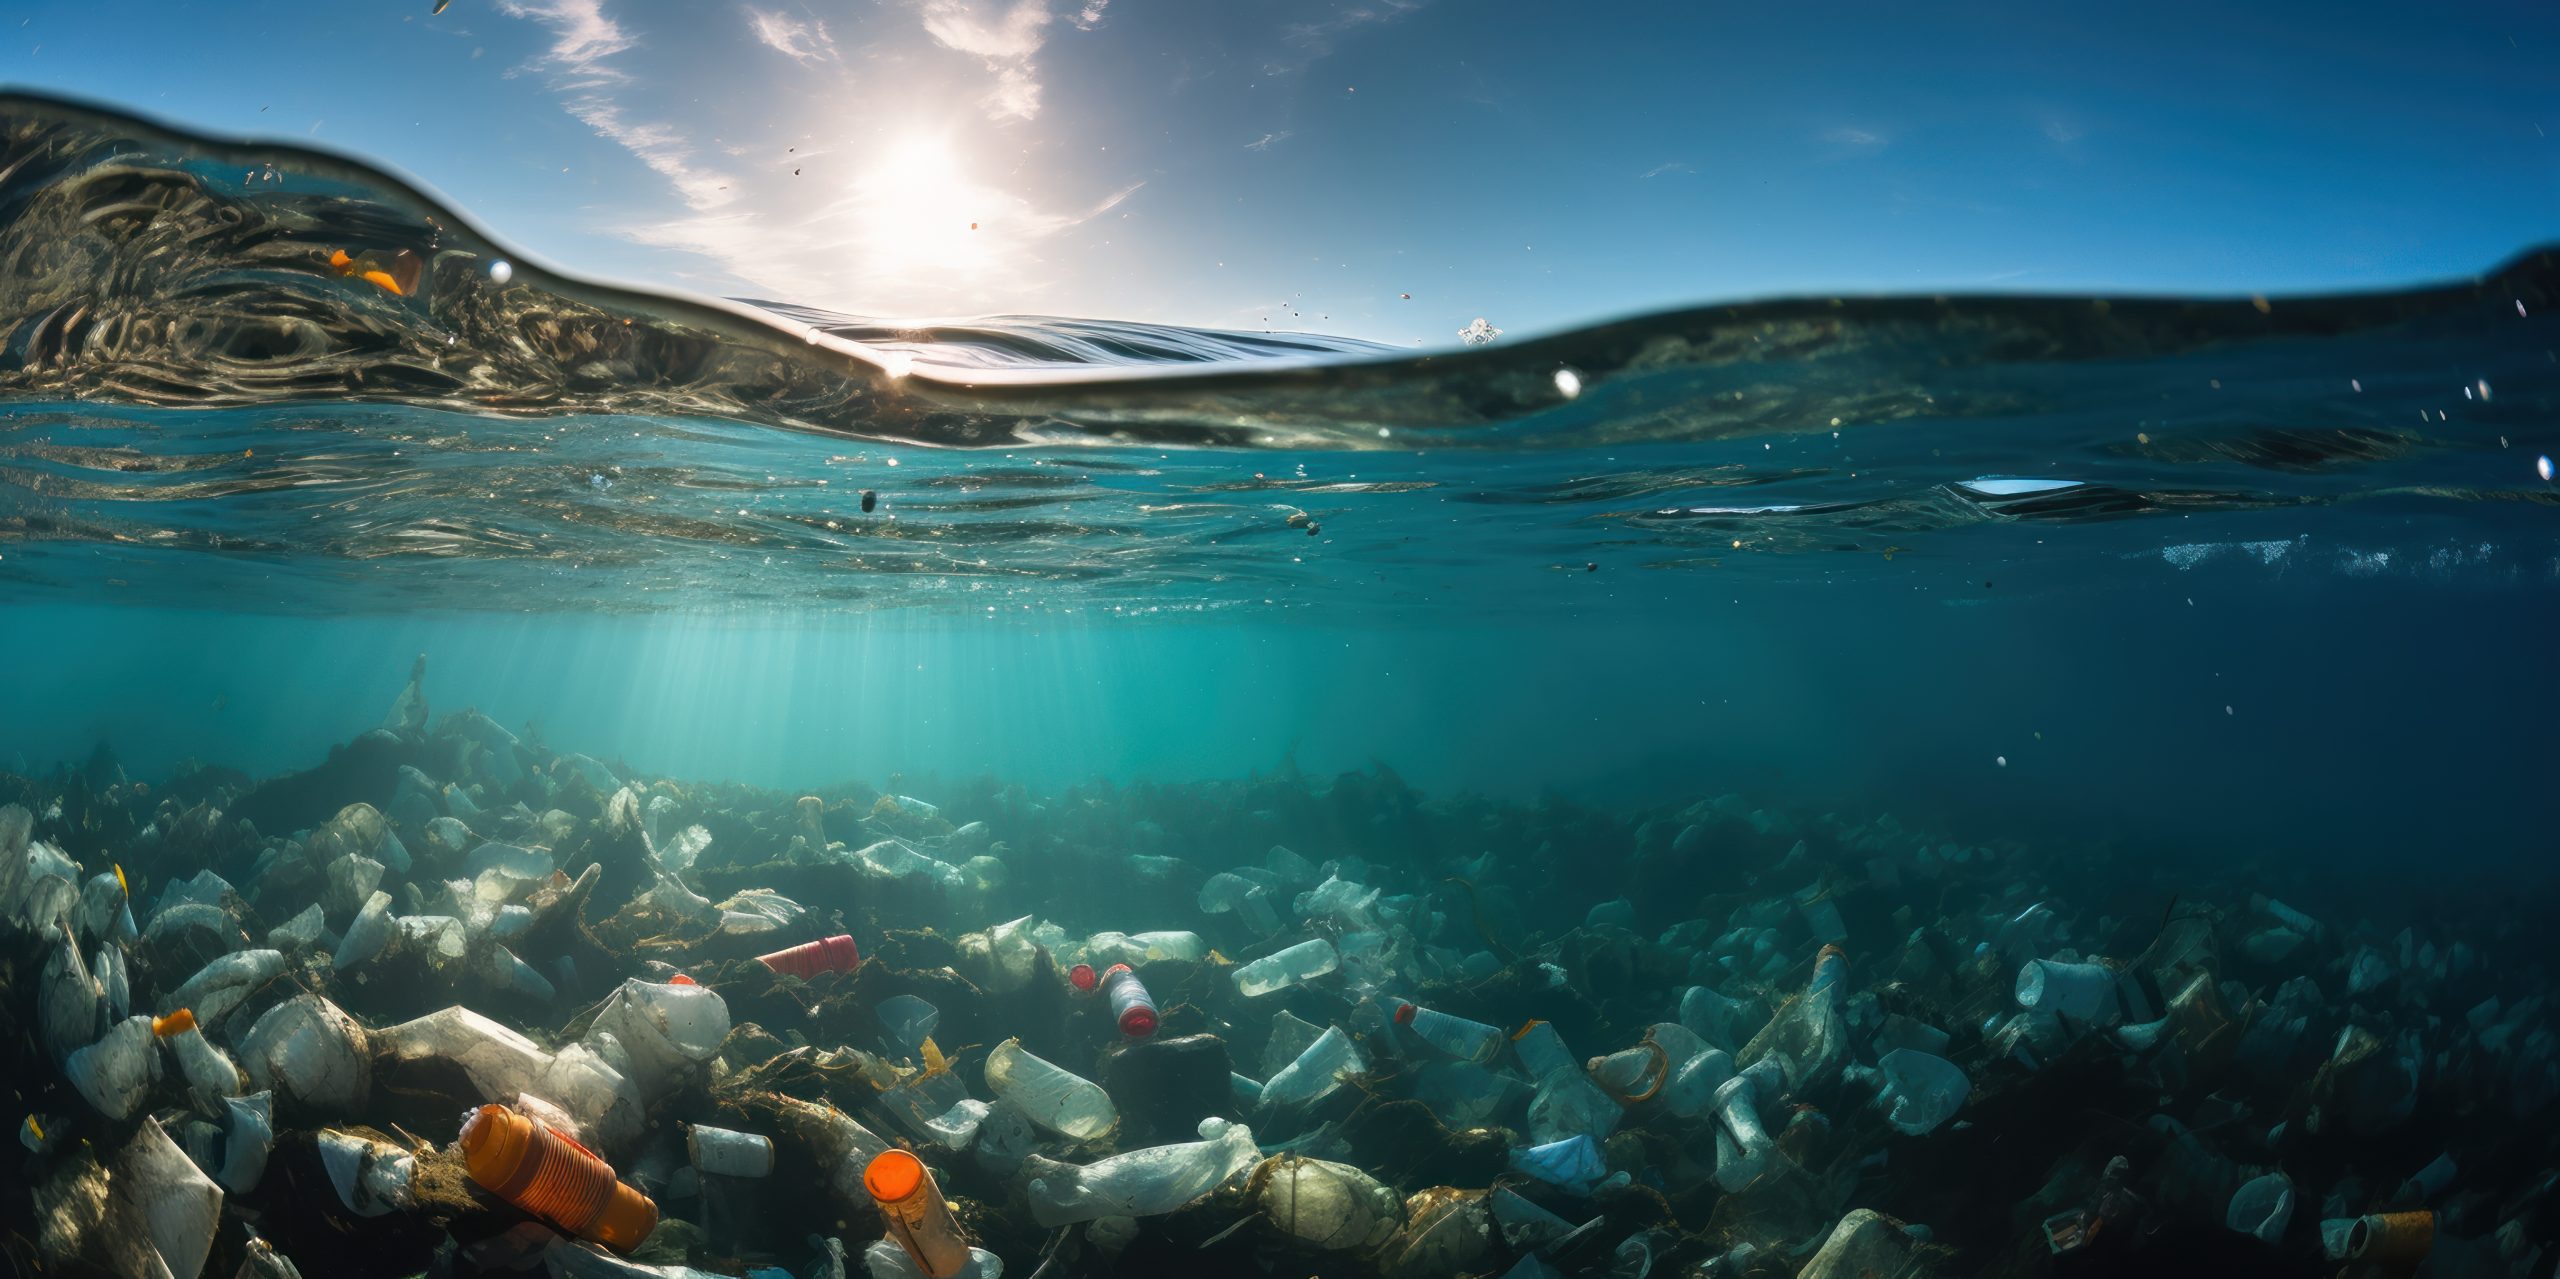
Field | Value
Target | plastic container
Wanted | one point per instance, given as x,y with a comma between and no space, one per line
1131,1006
919,1219
1693,1086
1048,1095
1141,1183
835,954
372,1178
1457,1036
1227,892
1743,1145
2262,1207
1541,1050
1280,970
884,1259
1316,1072
161,1203
1830,968
222,985
2394,1241
1921,1091
368,936
1326,1205
1083,980
2084,993
209,1073
249,1135
554,1178
69,1005
115,1073
721,1152
1573,1164
1632,1076
667,1029
1713,1017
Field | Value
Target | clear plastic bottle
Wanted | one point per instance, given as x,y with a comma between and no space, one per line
1049,1095
1743,1143
1316,1072
209,1073
1457,1036
309,1051
1141,1183
1280,970
2083,993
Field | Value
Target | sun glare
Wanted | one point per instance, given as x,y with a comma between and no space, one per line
925,212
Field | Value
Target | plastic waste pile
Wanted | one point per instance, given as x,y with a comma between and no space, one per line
450,1002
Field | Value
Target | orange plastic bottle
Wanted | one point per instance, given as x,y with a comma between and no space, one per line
919,1218
547,1174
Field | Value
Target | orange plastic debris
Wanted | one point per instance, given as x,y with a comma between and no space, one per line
550,1175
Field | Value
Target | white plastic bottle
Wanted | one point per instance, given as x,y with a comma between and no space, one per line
1049,1095
1280,970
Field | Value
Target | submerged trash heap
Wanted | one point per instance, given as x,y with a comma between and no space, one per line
452,1003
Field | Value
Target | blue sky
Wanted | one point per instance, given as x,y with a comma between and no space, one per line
1306,163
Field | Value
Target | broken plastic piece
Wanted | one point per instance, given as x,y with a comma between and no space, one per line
726,1153
1140,1183
835,954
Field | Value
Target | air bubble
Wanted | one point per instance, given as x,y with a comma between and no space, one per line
501,271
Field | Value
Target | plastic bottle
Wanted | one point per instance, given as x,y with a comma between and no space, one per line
1141,1183
919,1218
554,1178
835,954
2083,993
1693,1086
1282,969
722,1152
368,936
1050,1096
207,1070
1316,1072
1131,1006
1457,1036
115,1073
1743,1145
842,1147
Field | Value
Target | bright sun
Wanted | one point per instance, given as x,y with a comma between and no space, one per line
923,212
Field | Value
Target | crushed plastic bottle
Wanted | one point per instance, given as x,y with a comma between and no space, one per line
1140,1183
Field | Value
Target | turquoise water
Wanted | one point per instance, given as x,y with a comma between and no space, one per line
2251,594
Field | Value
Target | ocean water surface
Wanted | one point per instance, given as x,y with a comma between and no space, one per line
2148,584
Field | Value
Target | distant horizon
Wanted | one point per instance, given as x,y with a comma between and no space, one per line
1386,170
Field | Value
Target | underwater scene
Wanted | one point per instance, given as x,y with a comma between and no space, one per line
506,774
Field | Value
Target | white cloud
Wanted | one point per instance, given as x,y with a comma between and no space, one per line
1005,35
1265,142
1676,166
1312,42
782,33
582,37
1856,139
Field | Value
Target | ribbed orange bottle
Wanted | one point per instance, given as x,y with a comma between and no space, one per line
553,1177
919,1218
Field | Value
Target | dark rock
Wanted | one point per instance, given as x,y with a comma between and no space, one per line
366,770
1165,1087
